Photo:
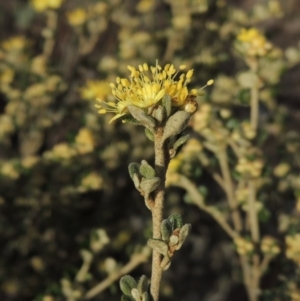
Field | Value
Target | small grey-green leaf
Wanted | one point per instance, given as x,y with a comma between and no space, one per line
176,124
126,298
149,134
135,294
183,233
175,220
147,171
159,113
142,117
167,103
180,141
136,181
159,246
145,297
166,229
149,185
133,168
142,285
127,283
130,119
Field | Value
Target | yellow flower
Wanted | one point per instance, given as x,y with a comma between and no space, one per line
146,87
77,17
95,89
14,44
253,43
42,5
92,181
39,5
85,141
55,3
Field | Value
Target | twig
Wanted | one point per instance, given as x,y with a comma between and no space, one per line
135,261
222,157
190,187
161,164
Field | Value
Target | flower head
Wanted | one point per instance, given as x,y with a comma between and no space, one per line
77,17
253,43
146,87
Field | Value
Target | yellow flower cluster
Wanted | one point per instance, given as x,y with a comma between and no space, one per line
269,246
84,143
17,43
91,182
201,117
247,167
293,247
243,246
42,5
146,88
95,89
253,43
281,170
7,169
77,17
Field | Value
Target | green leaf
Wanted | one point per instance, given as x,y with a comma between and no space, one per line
167,103
176,124
183,139
149,134
130,119
142,117
143,285
159,113
127,283
166,229
146,297
149,185
133,168
183,233
158,245
175,220
126,298
147,170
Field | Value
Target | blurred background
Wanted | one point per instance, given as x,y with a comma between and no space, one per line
65,194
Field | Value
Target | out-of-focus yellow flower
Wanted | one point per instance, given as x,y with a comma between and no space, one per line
14,44
77,17
42,5
193,146
6,125
182,21
7,76
95,89
39,5
145,6
29,161
243,246
253,43
55,3
85,141
92,181
146,87
38,65
99,8
281,170
269,246
35,90
7,169
61,151
293,247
